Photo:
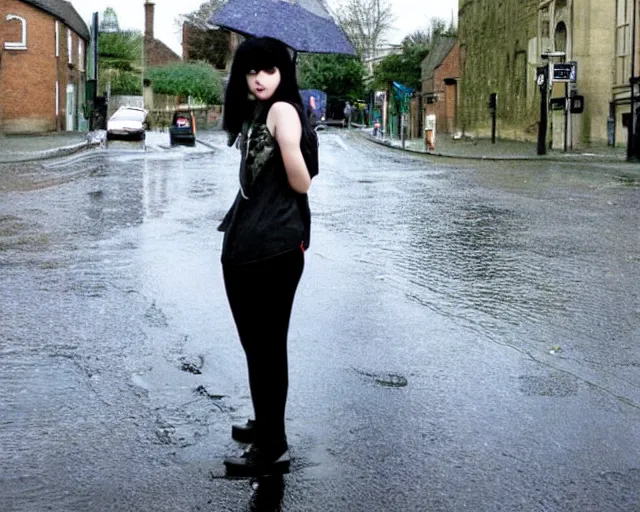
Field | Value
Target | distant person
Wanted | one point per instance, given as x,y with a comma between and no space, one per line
376,127
347,114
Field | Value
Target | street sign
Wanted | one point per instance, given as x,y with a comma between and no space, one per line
565,72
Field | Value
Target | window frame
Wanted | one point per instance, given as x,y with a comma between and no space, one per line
623,42
22,45
70,45
81,54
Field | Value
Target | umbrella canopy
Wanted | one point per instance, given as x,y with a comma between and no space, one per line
304,25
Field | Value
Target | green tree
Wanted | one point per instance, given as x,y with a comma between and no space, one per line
339,76
404,68
197,79
120,61
120,50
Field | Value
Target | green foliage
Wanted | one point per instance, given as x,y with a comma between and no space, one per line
339,76
119,57
120,50
404,68
198,80
125,83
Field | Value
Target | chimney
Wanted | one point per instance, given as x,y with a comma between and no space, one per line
148,19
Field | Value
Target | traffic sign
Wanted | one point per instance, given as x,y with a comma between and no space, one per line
565,72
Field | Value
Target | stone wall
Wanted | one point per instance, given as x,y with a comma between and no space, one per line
496,38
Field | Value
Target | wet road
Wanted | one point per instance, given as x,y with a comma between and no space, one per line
465,336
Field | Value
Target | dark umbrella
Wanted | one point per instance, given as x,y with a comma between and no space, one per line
304,25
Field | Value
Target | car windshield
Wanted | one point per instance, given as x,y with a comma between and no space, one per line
128,115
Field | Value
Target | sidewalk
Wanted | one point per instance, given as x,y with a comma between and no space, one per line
27,148
483,149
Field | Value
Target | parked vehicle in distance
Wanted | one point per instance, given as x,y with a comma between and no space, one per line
183,128
128,123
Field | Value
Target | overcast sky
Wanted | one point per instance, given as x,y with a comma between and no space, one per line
410,15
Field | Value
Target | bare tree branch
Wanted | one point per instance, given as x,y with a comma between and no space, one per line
366,23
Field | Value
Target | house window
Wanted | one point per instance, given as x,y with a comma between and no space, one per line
81,54
22,44
623,41
70,45
57,39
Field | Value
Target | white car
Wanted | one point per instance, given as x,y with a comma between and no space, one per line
128,123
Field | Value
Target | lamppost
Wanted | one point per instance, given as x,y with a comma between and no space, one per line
631,149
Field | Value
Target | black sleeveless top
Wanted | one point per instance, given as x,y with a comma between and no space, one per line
267,217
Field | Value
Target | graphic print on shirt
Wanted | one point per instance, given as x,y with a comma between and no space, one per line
261,148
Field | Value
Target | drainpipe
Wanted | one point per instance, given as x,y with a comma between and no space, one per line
631,150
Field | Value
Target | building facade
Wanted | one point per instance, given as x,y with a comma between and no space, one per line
498,54
156,53
501,46
43,46
440,75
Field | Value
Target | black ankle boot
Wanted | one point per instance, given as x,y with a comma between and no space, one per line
260,460
244,433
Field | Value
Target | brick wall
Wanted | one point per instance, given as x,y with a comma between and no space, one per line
446,105
28,77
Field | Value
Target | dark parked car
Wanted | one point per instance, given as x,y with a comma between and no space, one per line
183,128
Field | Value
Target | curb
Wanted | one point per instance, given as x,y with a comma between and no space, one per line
52,153
568,158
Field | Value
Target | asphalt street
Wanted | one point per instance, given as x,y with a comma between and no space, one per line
465,336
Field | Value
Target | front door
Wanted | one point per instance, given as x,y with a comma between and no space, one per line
71,107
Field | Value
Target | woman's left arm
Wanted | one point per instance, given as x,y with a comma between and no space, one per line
284,124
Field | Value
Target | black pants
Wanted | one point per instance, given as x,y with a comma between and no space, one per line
261,297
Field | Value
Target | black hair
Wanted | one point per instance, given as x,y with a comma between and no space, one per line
259,54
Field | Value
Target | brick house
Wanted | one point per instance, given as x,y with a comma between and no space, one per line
440,75
43,47
155,51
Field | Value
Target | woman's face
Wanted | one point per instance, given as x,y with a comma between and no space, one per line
263,84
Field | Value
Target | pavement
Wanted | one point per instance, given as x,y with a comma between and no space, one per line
33,147
484,149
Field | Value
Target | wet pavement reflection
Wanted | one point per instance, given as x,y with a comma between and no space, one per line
464,337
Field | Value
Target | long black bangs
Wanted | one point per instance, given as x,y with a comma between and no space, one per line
263,54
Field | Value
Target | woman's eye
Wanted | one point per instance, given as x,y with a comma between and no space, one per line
252,72
271,71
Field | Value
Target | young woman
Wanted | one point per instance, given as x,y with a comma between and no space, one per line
266,234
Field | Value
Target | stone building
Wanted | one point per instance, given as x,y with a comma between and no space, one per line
43,47
502,44
498,54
